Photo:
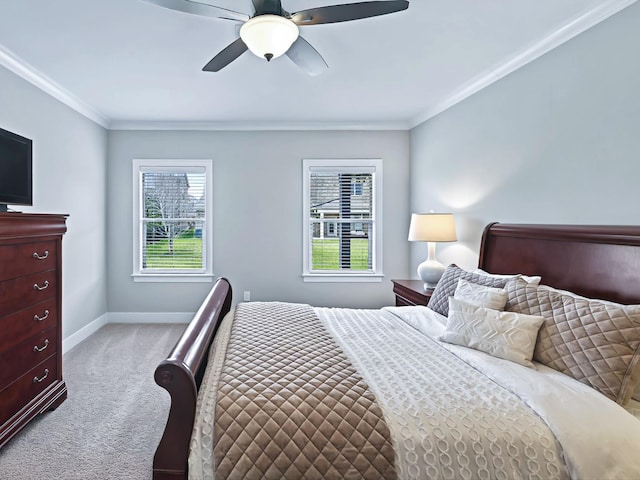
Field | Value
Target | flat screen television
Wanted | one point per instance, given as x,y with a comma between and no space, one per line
15,170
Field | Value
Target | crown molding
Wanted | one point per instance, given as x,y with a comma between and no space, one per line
575,27
258,126
29,73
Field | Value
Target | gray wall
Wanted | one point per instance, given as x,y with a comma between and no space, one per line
557,141
257,214
69,176
554,142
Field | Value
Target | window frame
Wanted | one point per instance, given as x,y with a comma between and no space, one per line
369,165
172,165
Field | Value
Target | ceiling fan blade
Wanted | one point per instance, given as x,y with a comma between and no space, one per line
347,12
204,9
226,56
307,57
257,5
273,7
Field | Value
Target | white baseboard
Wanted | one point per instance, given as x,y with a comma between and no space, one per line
84,333
149,317
122,317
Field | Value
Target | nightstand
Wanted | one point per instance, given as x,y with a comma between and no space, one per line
411,292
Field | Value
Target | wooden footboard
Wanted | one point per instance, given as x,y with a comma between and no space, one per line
180,374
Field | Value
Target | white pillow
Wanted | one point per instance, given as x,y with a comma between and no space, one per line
508,335
480,295
531,280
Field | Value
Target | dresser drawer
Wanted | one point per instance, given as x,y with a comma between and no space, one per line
22,258
27,387
30,321
21,292
24,356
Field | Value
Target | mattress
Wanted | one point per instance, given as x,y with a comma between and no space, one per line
454,412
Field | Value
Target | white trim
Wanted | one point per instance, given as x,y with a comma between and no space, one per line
172,278
556,38
123,317
261,126
29,73
150,317
354,165
140,165
84,333
342,278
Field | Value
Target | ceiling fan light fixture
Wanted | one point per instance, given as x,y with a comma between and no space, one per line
269,36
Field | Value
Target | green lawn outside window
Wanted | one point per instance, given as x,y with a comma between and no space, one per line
325,254
187,253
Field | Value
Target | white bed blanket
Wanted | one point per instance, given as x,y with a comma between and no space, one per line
633,407
596,438
447,420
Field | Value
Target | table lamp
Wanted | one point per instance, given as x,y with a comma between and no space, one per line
431,228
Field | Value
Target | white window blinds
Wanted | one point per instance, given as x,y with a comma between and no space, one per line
341,217
173,219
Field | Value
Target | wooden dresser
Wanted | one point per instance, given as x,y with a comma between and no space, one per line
30,318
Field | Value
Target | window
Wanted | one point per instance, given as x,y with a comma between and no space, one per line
342,219
172,220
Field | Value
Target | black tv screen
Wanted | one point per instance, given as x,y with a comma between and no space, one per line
15,170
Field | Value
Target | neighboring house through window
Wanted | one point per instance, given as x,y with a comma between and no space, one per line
342,216
172,220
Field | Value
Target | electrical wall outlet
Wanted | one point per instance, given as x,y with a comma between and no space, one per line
247,296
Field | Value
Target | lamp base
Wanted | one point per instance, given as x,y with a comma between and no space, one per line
430,271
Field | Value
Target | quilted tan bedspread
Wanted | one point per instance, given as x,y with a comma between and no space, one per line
290,405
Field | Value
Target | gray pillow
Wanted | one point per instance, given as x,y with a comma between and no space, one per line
446,287
594,341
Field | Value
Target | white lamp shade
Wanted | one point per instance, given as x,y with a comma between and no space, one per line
269,36
432,227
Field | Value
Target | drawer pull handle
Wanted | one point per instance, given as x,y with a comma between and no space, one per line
38,287
44,317
38,380
46,344
38,257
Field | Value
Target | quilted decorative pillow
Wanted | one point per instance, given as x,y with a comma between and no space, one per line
636,394
593,341
507,335
481,296
446,287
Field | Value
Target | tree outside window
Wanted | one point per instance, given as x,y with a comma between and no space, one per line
173,228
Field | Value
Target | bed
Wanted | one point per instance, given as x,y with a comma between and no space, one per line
524,426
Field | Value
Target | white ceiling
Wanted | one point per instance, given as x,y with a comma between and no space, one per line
130,64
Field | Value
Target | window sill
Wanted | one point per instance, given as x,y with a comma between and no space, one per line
342,278
171,278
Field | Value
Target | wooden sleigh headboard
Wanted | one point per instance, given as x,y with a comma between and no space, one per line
595,261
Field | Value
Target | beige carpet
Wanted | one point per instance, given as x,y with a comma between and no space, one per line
110,424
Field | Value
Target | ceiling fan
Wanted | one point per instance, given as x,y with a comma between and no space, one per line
272,31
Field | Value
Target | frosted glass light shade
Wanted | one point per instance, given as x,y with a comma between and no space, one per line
269,36
432,227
